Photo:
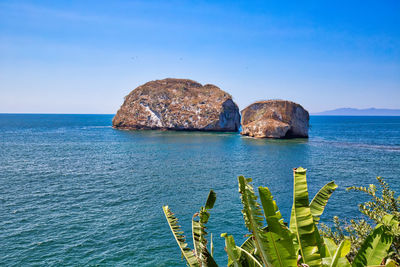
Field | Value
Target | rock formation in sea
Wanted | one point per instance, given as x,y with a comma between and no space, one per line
178,104
275,119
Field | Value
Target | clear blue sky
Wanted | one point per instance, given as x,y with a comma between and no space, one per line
85,56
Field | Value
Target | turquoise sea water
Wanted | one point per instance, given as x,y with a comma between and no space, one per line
74,191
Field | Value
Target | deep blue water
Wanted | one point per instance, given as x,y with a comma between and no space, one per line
74,191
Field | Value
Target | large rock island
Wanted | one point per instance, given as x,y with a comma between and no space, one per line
178,104
275,119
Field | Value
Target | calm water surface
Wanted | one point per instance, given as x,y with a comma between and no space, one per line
74,191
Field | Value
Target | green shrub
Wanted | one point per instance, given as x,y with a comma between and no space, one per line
380,205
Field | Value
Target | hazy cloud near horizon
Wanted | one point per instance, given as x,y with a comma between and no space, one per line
85,56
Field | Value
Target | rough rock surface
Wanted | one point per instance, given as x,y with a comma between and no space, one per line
275,119
178,104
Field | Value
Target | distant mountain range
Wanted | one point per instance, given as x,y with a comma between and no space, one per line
360,112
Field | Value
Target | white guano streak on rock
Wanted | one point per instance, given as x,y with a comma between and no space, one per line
154,118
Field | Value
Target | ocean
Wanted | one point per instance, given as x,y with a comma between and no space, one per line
76,192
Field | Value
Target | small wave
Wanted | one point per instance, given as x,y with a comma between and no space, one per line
361,145
96,127
384,147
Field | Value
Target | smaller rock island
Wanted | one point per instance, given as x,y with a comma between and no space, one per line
275,119
178,104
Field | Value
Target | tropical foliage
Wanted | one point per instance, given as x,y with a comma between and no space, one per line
275,243
379,205
201,255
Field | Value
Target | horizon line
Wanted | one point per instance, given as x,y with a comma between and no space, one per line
311,114
56,113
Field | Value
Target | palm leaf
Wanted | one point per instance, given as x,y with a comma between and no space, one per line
199,232
339,258
281,250
302,223
253,218
212,197
232,251
330,244
317,206
187,253
201,251
251,260
376,245
320,200
250,247
247,256
391,263
341,261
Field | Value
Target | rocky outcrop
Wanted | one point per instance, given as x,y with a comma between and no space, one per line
178,104
275,119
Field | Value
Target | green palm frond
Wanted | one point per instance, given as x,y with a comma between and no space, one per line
339,257
246,251
376,245
320,200
302,222
199,232
233,252
253,218
280,247
187,253
317,207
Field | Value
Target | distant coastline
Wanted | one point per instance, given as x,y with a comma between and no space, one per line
359,112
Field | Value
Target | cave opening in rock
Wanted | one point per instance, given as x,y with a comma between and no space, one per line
289,134
292,134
